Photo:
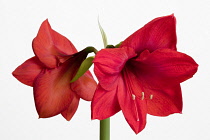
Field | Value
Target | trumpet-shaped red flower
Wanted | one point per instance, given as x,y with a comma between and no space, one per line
143,75
50,71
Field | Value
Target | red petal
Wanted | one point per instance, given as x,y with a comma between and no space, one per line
158,33
85,86
70,111
164,102
50,46
108,63
28,71
52,91
164,68
134,110
104,104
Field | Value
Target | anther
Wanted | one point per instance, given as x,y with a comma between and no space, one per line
151,96
142,97
133,96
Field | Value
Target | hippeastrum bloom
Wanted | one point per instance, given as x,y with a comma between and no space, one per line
50,71
143,75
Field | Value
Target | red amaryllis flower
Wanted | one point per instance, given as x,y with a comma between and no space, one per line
143,75
50,71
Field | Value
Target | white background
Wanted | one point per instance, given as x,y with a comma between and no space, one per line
77,20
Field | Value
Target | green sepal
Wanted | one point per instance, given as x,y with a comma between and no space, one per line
103,34
110,46
86,64
118,45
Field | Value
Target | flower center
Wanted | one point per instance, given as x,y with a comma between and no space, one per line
134,88
133,83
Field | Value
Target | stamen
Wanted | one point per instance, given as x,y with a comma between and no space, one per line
133,96
142,97
151,96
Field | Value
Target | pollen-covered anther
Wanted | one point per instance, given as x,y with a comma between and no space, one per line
142,97
133,96
150,97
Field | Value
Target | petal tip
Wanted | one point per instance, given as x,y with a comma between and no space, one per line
138,130
46,21
13,73
67,119
172,15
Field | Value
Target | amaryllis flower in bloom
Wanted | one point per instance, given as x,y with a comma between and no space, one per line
50,71
143,75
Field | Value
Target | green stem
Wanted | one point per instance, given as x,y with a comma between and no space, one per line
90,49
105,129
95,50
